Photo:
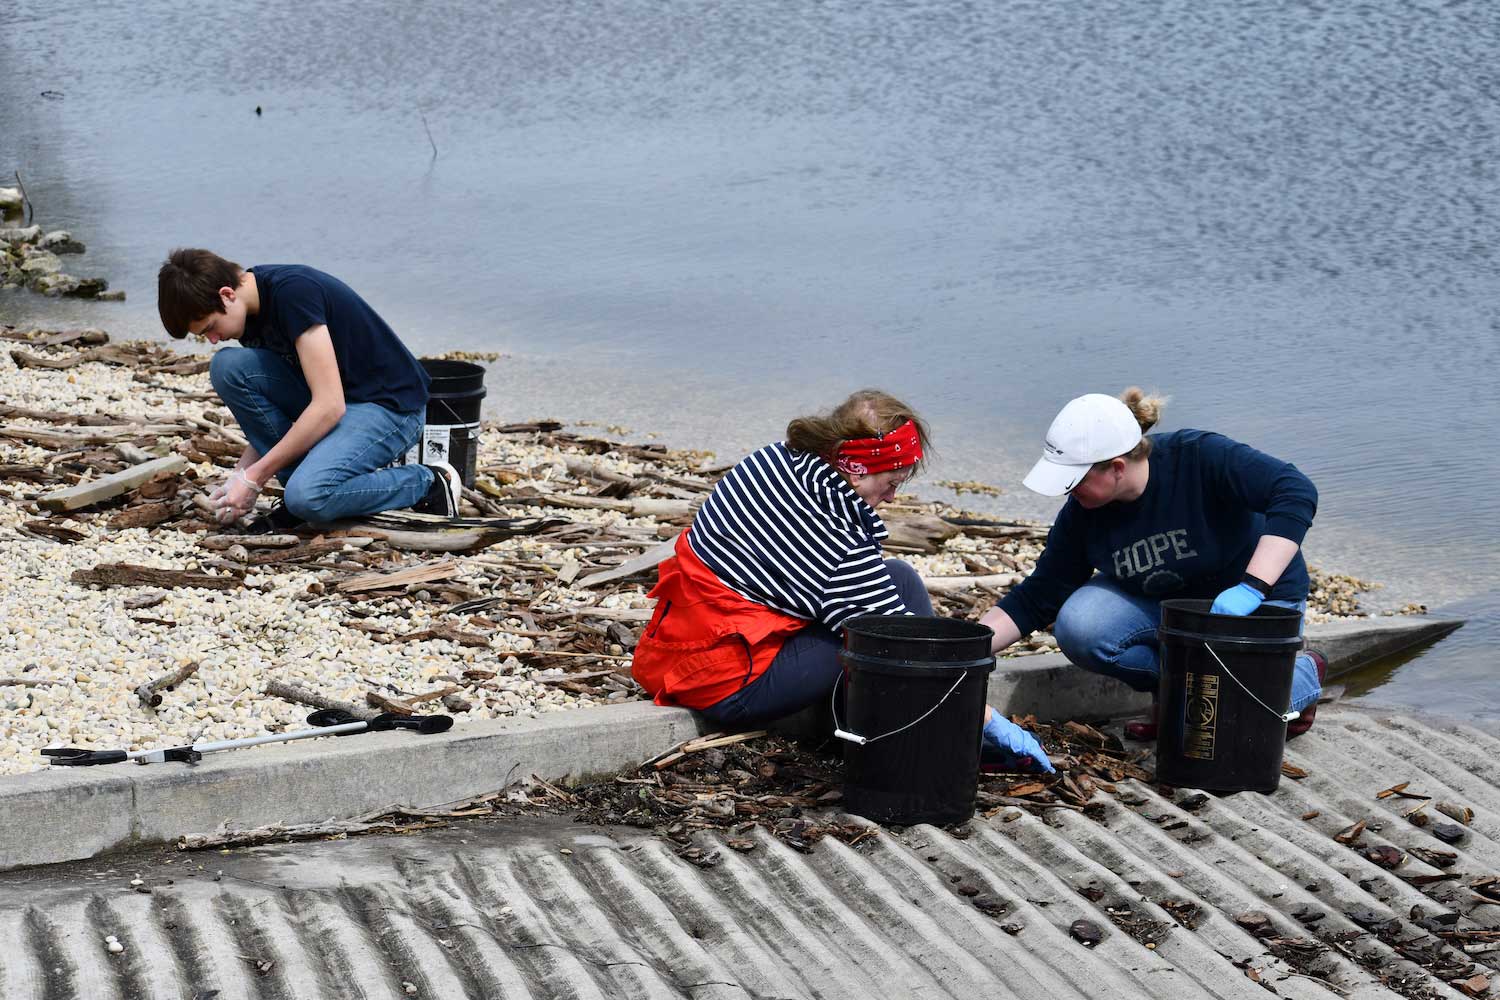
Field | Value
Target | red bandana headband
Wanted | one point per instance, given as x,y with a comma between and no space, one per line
895,449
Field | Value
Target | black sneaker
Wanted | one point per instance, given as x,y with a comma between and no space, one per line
442,496
276,521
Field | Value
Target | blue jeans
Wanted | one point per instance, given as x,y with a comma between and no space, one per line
345,474
1107,631
807,668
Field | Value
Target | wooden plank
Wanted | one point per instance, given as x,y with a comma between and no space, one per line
127,575
609,614
460,540
442,569
222,542
80,437
106,487
653,556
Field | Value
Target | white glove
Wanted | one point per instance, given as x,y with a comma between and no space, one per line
235,497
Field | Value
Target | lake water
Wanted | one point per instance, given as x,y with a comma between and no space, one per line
701,218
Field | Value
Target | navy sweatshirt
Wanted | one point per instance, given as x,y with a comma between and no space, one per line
374,366
1208,500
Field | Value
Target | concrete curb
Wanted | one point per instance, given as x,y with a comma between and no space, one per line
67,814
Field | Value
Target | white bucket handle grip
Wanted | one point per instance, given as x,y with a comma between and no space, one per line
1286,716
843,734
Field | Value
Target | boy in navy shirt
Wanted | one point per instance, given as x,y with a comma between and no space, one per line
324,391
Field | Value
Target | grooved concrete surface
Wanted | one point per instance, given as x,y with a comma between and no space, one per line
496,909
69,813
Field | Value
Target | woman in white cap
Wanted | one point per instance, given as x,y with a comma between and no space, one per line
1190,514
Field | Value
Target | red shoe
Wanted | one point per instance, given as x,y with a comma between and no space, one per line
1303,722
1143,732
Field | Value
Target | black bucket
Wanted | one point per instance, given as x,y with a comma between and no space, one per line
452,431
1226,684
915,707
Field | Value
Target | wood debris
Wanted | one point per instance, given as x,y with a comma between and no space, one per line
149,694
731,783
1350,834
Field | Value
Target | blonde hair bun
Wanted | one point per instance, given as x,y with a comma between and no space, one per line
1146,408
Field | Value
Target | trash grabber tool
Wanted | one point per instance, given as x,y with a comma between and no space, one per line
193,752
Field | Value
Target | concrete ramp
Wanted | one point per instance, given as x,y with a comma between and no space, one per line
1194,896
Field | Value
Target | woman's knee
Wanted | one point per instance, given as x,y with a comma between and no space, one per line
1091,625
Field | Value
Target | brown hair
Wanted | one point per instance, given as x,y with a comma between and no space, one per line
867,413
187,287
1147,411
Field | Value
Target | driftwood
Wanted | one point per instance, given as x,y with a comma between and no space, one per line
149,693
298,695
436,695
108,487
452,633
133,454
388,704
111,354
923,534
89,336
424,573
128,575
222,542
389,819
57,532
948,585
665,510
611,614
976,527
443,540
79,437
28,473
649,559
300,553
146,515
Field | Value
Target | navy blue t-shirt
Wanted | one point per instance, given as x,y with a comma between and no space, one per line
374,366
1208,501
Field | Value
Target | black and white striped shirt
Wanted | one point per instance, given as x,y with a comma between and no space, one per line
784,529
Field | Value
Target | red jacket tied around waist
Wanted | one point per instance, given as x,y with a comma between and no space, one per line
704,641
781,542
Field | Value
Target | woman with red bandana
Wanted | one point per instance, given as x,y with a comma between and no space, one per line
783,551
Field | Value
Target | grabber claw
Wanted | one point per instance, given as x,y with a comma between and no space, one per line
76,756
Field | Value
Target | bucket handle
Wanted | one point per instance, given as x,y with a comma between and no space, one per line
1287,716
843,734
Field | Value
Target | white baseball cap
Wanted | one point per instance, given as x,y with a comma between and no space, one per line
1089,429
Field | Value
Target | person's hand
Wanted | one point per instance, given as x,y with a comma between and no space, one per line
1006,735
1241,599
235,497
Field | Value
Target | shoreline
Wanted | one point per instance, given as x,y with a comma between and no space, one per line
504,623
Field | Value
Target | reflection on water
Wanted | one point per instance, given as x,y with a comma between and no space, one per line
702,218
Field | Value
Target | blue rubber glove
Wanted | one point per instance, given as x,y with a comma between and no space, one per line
1001,732
1241,599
